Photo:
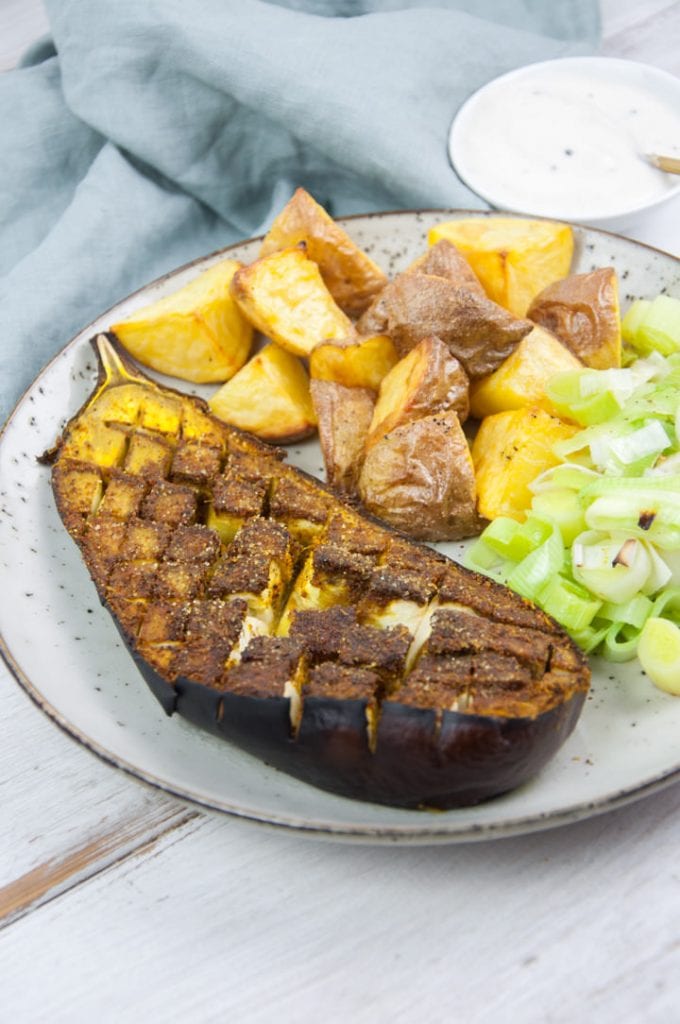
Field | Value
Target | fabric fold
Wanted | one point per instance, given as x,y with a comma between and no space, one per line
163,130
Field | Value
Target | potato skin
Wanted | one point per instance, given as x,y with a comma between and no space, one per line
583,312
420,478
343,418
476,331
443,260
426,381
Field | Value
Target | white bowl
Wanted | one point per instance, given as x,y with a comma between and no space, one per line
567,138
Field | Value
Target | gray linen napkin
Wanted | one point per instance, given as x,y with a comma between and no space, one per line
152,132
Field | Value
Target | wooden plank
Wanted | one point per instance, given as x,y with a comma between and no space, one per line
65,814
135,832
648,32
618,16
224,921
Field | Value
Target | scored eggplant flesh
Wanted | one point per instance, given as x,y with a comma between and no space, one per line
262,607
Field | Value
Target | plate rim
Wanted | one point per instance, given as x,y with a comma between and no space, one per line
408,834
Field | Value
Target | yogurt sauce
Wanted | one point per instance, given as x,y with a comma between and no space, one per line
567,138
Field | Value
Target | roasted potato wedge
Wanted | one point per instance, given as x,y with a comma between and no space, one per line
268,397
441,260
428,380
197,334
420,477
343,415
514,258
509,451
350,275
521,380
478,332
355,362
582,310
284,297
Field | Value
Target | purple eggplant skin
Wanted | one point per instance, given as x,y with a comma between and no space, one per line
331,750
471,759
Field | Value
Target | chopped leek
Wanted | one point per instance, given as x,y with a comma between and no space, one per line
565,508
653,326
538,567
660,327
599,550
613,568
572,605
659,654
631,613
631,322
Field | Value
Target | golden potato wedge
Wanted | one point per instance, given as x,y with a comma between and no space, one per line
268,397
428,380
350,275
510,450
478,332
283,295
420,478
198,333
355,362
582,310
521,380
343,415
513,257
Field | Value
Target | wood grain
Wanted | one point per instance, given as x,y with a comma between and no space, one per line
648,32
135,833
228,922
39,824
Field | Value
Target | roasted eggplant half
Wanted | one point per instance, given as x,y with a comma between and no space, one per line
261,607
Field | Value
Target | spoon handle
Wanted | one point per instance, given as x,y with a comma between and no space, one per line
670,164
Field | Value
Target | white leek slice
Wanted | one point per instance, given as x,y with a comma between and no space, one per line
659,654
651,439
612,568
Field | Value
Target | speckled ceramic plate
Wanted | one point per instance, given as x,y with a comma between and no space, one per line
64,649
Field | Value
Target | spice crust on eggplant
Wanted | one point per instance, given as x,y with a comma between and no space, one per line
260,606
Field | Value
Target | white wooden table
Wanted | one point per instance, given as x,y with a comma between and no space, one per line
120,904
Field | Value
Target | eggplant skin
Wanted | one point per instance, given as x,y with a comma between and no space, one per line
263,609
468,760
